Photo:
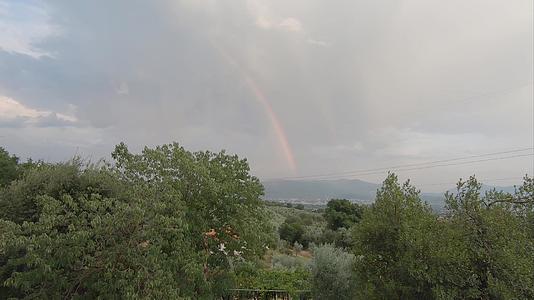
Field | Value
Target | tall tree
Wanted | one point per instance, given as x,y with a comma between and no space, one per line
498,238
9,170
387,240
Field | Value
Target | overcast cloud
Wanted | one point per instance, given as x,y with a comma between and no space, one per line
351,84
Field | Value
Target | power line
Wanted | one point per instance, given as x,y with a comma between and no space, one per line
436,166
367,171
483,180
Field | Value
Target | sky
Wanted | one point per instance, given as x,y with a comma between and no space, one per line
299,88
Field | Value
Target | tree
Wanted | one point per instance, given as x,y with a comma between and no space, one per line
342,213
291,231
497,237
166,223
222,205
479,250
19,201
388,242
9,170
332,274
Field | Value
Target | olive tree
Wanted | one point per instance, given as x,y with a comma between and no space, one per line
332,273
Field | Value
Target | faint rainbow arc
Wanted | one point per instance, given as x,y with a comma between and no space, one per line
262,99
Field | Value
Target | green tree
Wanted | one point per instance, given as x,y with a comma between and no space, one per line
332,274
166,223
19,201
388,239
479,250
291,231
226,217
342,213
9,169
498,242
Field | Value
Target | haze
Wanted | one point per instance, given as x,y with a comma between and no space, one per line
298,87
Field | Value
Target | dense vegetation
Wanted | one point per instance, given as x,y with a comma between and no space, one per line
169,223
166,223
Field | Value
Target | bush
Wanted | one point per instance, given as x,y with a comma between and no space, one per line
341,238
250,276
332,273
289,261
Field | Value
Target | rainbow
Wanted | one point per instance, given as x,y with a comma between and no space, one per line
262,99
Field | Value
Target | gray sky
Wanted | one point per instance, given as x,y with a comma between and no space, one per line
298,87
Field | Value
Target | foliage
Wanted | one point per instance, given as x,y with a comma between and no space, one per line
332,274
9,170
292,280
387,240
498,246
218,193
289,261
19,201
299,206
479,250
12,169
87,243
291,230
342,213
169,223
341,238
304,227
163,224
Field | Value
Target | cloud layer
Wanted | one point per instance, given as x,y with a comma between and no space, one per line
353,84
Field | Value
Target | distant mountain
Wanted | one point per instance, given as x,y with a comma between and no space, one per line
320,191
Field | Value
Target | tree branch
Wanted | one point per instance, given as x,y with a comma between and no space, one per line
519,201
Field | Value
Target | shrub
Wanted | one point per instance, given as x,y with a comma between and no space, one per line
289,261
332,273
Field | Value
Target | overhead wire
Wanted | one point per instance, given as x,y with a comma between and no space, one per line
414,166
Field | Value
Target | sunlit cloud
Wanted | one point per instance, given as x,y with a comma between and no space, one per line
15,113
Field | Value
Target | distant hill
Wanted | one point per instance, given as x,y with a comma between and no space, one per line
320,191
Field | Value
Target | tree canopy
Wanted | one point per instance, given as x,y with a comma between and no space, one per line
342,213
166,223
9,169
481,249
